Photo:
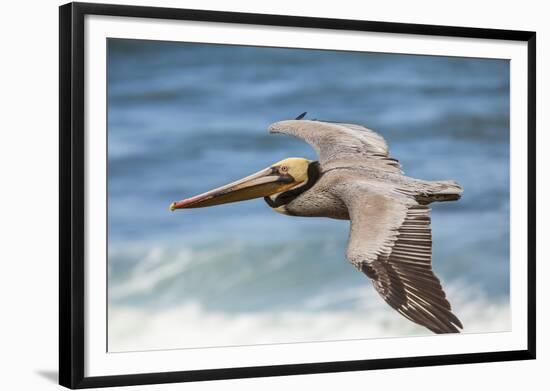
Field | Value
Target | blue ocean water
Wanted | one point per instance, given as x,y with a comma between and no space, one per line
184,118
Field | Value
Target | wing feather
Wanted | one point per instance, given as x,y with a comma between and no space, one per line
390,241
335,141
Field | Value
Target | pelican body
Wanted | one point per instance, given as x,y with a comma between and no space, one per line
355,179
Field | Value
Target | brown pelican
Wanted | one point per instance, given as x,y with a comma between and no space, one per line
355,179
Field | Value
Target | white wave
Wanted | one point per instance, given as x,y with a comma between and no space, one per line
155,270
189,325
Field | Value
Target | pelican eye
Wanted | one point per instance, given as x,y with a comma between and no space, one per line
283,169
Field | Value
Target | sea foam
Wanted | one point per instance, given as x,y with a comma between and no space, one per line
189,325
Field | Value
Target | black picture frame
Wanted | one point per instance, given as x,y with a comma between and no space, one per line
71,189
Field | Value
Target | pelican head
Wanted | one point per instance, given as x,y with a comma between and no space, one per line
281,177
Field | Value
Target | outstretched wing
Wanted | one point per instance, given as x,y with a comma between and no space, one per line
390,241
339,141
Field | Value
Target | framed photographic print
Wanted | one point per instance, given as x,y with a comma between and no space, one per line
247,195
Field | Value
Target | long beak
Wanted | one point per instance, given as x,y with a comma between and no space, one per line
260,184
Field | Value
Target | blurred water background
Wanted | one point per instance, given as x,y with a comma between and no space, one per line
184,118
